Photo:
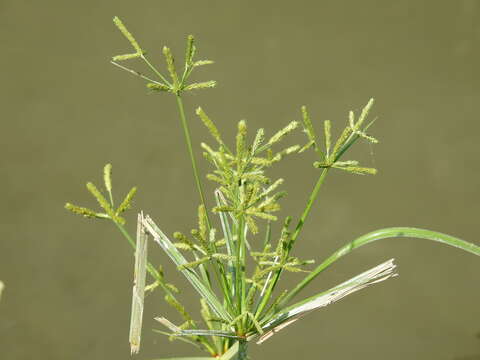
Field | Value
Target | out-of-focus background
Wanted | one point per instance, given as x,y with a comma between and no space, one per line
65,112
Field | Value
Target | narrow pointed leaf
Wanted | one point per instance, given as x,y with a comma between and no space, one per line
190,274
230,352
138,287
293,313
394,232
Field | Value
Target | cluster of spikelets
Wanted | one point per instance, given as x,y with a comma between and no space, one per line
246,307
178,82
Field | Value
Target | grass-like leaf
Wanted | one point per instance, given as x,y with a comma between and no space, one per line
138,286
394,232
190,274
293,313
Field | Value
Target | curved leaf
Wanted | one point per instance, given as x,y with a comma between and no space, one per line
394,232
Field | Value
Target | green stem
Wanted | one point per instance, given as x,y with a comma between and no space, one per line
310,202
297,231
154,69
221,278
242,350
190,152
240,271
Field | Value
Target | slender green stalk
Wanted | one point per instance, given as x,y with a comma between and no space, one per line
188,140
309,205
221,277
240,271
154,69
298,229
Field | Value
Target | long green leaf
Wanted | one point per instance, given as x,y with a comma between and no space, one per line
230,352
190,274
394,232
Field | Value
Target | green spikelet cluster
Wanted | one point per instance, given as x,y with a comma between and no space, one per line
107,206
330,158
138,50
241,176
178,82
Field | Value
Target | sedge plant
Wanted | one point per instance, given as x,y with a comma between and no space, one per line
236,270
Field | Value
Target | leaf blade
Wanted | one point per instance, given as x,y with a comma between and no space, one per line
138,287
175,255
291,314
380,235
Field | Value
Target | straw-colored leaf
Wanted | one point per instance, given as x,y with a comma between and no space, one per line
138,286
179,260
177,331
293,313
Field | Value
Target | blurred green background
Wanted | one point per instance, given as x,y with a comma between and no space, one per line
66,112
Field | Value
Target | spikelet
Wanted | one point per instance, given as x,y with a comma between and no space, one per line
126,57
259,137
104,203
341,141
178,306
210,126
188,244
158,87
193,264
252,226
128,35
241,139
201,85
127,202
280,134
190,50
359,170
328,136
202,63
308,129
272,187
171,66
107,177
364,114
202,222
84,211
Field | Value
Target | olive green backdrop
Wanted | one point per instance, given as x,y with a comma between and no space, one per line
65,112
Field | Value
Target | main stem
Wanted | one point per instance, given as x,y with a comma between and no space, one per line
242,350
